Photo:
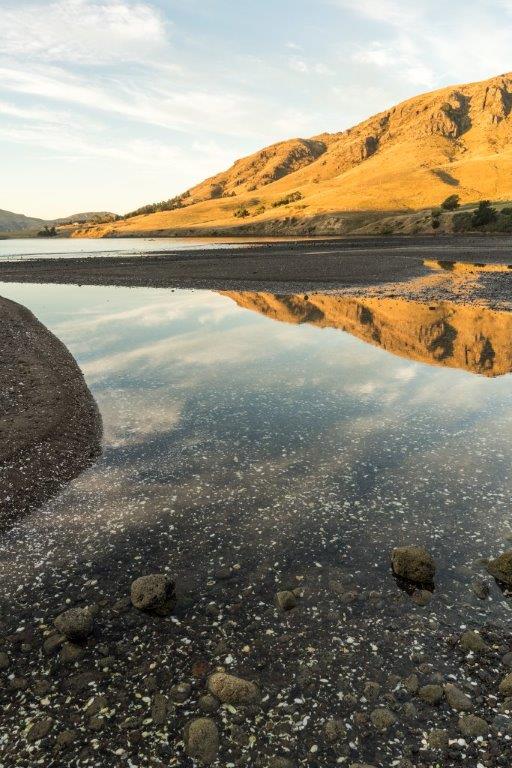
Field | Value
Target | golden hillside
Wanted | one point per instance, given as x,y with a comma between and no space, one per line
453,141
475,339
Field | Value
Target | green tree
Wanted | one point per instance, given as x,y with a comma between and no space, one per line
484,214
451,203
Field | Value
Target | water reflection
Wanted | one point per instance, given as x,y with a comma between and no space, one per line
472,338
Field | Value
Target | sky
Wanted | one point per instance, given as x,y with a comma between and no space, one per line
111,104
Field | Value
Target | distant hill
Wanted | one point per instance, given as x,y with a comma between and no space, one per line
456,140
17,222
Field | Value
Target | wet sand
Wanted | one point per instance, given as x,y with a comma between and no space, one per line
50,426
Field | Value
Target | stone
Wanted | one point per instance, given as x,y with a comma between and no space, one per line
70,652
481,589
414,564
506,660
473,726
421,597
4,660
431,694
457,699
64,740
76,623
383,718
180,692
154,593
473,642
95,705
208,704
334,730
371,690
438,740
361,765
412,684
281,762
39,729
53,643
501,568
201,738
159,708
286,601
232,690
506,685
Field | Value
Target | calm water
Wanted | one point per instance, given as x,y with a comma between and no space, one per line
254,443
232,437
123,246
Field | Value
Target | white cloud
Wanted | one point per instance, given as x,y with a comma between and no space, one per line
395,12
88,31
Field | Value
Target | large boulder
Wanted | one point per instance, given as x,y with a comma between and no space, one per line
76,623
154,593
501,568
413,564
232,690
201,738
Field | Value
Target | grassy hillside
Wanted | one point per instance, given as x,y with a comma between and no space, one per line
410,158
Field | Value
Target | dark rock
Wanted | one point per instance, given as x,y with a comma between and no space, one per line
154,593
201,738
76,623
383,718
334,730
4,660
457,699
413,564
286,601
64,740
232,690
208,704
180,692
506,685
438,740
159,709
431,694
40,729
501,568
472,641
481,589
52,644
473,726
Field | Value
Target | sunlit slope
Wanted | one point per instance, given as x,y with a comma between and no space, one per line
475,339
455,140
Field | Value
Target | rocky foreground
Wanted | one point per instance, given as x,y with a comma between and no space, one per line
50,427
236,679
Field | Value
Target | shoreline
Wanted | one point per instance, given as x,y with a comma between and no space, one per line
415,268
50,426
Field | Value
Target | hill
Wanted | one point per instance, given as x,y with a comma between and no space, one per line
453,141
13,223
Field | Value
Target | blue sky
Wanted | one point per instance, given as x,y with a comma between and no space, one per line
109,104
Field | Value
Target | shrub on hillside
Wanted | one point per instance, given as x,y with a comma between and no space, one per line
293,197
504,223
485,214
451,203
462,222
241,213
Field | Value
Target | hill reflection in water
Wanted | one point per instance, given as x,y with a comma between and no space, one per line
472,338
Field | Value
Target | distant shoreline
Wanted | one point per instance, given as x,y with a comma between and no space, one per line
387,266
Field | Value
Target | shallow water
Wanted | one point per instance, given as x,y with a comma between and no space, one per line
251,444
266,440
44,247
